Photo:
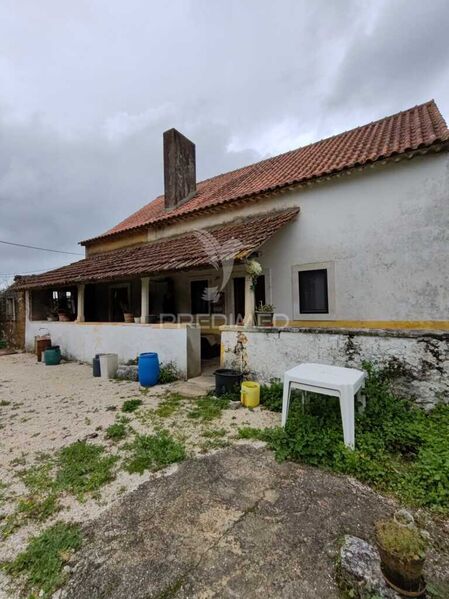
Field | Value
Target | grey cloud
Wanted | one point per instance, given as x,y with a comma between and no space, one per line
87,88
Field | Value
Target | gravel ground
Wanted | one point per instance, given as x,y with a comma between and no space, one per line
43,409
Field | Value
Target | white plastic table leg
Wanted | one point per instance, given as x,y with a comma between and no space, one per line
285,400
347,417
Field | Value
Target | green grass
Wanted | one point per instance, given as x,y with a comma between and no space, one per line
169,405
153,452
400,449
208,408
248,432
40,503
83,467
3,402
117,431
131,405
41,564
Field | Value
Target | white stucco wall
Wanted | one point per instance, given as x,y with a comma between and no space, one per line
385,230
81,341
420,358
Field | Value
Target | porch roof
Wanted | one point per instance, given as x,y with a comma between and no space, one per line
195,249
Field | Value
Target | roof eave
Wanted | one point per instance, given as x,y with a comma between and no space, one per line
437,146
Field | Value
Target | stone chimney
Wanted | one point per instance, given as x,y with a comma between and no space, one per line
179,169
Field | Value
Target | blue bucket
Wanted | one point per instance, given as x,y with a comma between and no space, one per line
148,369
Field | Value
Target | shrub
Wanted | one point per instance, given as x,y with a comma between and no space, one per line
271,395
168,373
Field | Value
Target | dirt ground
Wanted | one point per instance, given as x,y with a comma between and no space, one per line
45,408
227,522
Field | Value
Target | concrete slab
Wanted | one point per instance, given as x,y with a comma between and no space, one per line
232,524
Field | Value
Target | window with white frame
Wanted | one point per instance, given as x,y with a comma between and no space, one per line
313,291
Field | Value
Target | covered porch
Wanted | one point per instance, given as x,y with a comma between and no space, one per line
193,282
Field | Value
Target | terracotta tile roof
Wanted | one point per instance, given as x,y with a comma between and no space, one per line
417,127
196,249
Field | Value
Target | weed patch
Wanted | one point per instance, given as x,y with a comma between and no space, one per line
153,452
168,373
83,467
400,449
208,408
117,431
41,564
131,405
271,395
248,432
169,405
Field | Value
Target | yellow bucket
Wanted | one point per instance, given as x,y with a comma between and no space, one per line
250,394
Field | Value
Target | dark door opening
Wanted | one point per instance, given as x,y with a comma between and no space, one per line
119,303
239,300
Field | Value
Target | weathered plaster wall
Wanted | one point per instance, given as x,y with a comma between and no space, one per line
14,330
81,341
419,359
386,234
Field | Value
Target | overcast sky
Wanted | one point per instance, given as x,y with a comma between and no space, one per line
88,86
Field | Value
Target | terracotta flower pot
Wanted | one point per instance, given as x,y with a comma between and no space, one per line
402,574
264,319
128,317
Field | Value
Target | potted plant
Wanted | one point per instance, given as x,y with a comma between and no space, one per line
64,315
264,315
402,549
127,315
52,315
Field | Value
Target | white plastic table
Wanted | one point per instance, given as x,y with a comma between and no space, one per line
343,383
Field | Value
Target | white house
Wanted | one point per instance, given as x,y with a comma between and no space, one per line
352,235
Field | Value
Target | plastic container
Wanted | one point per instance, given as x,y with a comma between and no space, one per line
108,365
227,381
148,369
52,356
250,394
96,370
41,343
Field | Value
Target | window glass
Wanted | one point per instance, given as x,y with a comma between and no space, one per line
259,291
313,294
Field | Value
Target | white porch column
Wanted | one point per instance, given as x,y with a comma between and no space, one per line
249,302
80,304
145,300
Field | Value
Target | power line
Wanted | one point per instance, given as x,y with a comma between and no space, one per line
13,274
32,247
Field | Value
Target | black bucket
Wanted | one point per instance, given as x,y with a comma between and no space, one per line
227,381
